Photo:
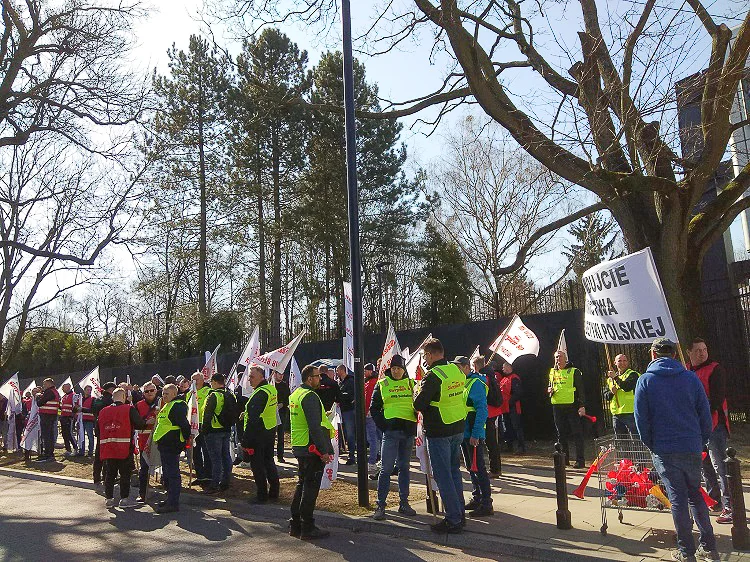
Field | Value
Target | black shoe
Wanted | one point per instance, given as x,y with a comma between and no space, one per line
223,487
167,509
295,528
195,482
313,533
349,462
279,459
212,491
256,500
482,511
472,505
395,471
579,464
445,527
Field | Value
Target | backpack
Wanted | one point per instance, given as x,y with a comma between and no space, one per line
229,413
494,396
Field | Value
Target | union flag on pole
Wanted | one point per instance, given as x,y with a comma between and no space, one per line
278,359
92,380
390,349
211,367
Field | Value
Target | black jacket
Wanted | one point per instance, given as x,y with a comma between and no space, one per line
255,432
97,405
378,415
318,435
328,392
429,391
178,416
347,394
283,393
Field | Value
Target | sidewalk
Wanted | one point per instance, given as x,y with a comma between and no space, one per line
523,525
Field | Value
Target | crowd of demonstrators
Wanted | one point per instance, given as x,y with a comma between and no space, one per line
566,392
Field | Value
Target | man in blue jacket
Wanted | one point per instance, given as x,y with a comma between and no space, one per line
674,421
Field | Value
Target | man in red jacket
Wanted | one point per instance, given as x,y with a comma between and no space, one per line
714,380
116,425
148,408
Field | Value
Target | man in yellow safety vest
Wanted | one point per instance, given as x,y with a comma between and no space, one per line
620,393
568,405
170,434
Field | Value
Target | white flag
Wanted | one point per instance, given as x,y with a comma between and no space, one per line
127,379
406,355
30,435
232,379
474,355
32,386
252,349
278,359
414,363
67,381
348,328
516,340
193,416
331,470
421,451
11,390
561,344
210,368
92,380
390,349
295,376
247,388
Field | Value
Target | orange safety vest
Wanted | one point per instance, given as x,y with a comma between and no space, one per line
66,405
148,413
50,408
704,374
115,432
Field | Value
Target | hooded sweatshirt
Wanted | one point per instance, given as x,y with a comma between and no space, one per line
671,409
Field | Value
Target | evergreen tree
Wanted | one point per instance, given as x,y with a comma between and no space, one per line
596,241
445,283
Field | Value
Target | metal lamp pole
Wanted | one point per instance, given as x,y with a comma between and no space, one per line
354,252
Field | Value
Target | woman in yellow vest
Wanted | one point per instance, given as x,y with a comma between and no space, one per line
393,412
620,394
170,434
311,444
568,405
259,435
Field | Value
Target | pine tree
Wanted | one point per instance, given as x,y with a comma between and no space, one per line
596,238
445,283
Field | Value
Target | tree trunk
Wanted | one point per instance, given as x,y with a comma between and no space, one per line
275,336
263,320
202,249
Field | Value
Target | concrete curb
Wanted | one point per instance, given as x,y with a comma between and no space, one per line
417,529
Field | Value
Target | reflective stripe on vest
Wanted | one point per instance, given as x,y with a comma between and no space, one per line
451,404
87,403
66,405
148,413
563,385
115,432
51,407
300,428
201,395
398,401
219,407
467,389
164,425
704,374
268,415
622,402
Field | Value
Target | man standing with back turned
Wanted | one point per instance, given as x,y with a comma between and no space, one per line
674,421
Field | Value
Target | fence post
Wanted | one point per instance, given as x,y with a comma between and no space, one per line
740,536
561,489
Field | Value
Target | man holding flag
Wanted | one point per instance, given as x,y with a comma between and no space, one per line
201,460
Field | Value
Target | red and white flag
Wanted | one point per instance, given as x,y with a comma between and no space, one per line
29,388
30,435
474,356
331,470
415,362
92,380
278,359
295,376
252,349
390,349
12,392
516,340
232,379
211,367
562,344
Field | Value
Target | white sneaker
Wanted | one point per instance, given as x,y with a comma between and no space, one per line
111,502
127,502
706,555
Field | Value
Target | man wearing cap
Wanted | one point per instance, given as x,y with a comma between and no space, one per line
673,418
372,431
258,435
568,405
440,398
311,444
170,434
620,393
392,410
201,460
217,434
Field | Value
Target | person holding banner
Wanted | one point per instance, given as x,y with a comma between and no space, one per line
258,435
673,418
392,410
170,434
440,398
48,401
311,444
148,408
201,460
568,405
620,394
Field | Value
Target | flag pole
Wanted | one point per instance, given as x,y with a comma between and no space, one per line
502,337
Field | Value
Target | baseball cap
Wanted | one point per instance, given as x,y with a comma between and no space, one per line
663,345
369,367
462,360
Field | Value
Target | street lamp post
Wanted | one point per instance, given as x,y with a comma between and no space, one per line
363,496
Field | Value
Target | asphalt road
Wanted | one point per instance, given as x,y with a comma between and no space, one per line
53,522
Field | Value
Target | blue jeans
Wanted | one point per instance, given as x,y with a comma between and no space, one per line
221,461
445,457
397,447
373,440
201,462
681,475
170,466
714,468
88,430
347,419
480,480
625,424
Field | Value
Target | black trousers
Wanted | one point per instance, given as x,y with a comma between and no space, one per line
284,415
48,434
568,425
100,469
123,467
264,468
309,476
66,428
201,460
494,436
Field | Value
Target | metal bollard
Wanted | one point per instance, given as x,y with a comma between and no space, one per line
740,535
561,489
